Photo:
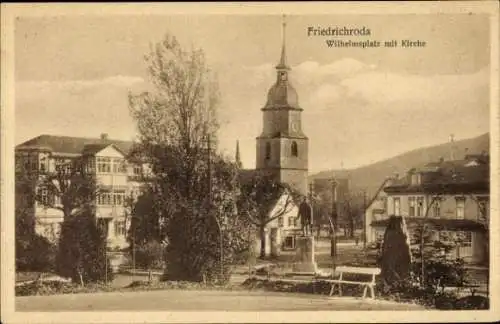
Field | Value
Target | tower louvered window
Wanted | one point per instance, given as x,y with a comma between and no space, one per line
295,149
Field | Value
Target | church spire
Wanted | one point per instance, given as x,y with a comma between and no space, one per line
282,64
237,157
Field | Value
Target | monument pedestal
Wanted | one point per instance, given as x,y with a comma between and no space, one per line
304,259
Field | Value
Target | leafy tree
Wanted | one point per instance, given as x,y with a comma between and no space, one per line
69,189
194,187
33,252
145,220
260,202
82,250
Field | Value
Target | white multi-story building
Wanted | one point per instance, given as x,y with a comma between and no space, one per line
107,160
453,196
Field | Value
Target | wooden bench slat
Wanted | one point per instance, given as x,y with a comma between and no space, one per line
354,270
352,282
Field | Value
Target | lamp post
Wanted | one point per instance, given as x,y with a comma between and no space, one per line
364,219
333,225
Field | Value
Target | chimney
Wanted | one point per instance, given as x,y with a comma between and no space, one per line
104,136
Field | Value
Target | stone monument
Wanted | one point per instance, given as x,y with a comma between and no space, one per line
304,258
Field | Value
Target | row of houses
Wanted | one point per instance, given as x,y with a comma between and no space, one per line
452,196
119,177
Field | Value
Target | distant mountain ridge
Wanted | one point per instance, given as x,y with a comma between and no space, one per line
370,177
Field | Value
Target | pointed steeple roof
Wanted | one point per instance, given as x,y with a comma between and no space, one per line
237,157
282,65
282,95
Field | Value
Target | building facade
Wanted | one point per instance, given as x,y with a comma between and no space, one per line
105,160
452,196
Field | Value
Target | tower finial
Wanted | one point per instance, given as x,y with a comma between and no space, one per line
282,64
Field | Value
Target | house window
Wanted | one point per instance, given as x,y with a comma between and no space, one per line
290,242
294,221
460,208
268,151
111,198
482,210
34,163
411,203
63,165
397,206
103,165
415,179
90,165
43,164
295,150
43,196
420,206
120,228
436,209
119,166
137,170
119,198
280,221
290,221
466,239
104,198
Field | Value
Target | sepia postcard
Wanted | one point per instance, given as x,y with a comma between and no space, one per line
250,162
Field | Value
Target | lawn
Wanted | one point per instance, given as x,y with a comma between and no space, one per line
347,254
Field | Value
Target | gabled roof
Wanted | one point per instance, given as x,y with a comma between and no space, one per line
447,176
379,190
73,145
91,149
246,177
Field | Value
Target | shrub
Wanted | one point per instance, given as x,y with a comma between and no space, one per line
82,251
35,253
150,255
473,302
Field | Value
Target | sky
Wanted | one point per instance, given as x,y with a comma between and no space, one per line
73,74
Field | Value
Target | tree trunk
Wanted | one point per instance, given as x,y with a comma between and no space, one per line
422,264
262,242
81,277
351,227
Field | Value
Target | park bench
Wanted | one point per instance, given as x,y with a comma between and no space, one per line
344,272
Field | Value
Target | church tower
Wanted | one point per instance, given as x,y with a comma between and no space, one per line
282,147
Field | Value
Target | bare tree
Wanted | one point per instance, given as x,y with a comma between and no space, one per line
69,189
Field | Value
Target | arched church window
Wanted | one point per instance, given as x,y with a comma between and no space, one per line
295,150
268,151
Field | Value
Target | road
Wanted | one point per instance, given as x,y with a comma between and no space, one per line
183,300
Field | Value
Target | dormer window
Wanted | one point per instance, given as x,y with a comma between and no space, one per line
416,179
